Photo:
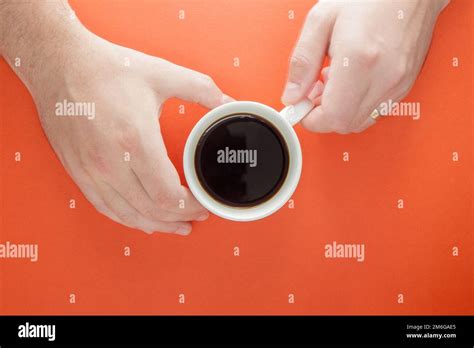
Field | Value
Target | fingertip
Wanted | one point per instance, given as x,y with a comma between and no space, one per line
226,99
292,93
316,90
184,230
203,216
191,205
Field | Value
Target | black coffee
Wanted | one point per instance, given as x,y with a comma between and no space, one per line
241,160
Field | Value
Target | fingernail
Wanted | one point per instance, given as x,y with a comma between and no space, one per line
291,93
183,230
226,99
316,101
317,90
203,217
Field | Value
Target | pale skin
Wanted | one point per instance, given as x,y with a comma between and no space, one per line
376,51
62,60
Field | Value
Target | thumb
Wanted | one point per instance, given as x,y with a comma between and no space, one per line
308,55
178,81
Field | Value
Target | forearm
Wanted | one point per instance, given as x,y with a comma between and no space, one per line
35,35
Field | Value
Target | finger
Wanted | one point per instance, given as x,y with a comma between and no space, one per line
157,199
131,188
147,155
372,102
344,93
315,121
129,216
177,81
369,105
112,205
89,189
366,124
325,73
308,54
316,91
339,106
161,181
127,182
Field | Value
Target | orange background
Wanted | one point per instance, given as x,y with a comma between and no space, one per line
408,250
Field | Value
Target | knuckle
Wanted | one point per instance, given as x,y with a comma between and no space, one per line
367,55
398,73
207,90
318,14
129,218
147,230
314,14
299,61
206,81
341,127
101,208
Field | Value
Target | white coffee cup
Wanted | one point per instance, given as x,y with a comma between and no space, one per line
283,121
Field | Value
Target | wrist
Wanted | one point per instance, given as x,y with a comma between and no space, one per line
39,38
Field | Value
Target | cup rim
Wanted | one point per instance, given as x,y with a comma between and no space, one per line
287,187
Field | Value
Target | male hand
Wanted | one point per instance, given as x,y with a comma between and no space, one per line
376,51
116,156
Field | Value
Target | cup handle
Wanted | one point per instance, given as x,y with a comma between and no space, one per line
295,113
